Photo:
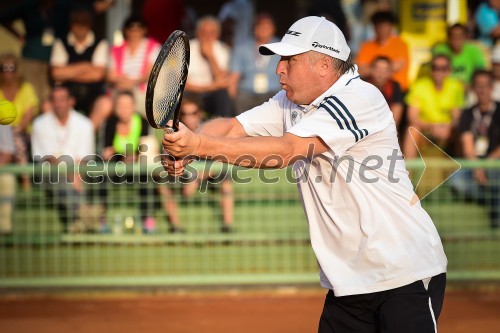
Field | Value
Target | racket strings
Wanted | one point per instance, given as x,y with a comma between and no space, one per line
170,78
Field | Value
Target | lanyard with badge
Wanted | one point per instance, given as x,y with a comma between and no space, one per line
482,122
260,81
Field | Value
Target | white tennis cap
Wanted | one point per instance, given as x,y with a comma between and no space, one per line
310,33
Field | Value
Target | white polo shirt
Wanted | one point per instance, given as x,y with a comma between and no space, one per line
356,196
200,73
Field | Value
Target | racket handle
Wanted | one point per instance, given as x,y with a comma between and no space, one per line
169,130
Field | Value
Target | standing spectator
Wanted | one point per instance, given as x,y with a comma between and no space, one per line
387,44
80,60
163,17
192,117
434,105
381,78
488,21
236,17
208,77
7,180
64,135
253,76
479,130
14,88
465,57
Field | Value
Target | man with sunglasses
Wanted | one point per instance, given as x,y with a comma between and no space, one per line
434,105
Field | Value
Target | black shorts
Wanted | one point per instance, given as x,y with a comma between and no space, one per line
411,308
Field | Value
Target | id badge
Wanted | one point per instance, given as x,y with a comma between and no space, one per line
260,84
48,37
481,145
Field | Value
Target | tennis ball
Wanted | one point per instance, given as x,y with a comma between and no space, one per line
8,112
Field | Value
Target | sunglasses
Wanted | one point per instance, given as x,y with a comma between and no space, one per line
436,68
8,68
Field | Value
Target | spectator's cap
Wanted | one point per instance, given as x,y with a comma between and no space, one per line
495,55
82,17
134,21
310,33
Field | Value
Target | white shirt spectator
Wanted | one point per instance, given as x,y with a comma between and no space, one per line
74,139
199,69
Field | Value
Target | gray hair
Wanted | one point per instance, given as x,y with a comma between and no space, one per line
208,19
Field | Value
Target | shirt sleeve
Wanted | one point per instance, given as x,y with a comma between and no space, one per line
101,54
397,94
266,119
59,56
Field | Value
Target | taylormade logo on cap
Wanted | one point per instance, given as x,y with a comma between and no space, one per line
310,33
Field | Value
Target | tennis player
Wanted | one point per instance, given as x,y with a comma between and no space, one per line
379,253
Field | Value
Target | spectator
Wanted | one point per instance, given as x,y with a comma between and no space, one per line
387,44
192,117
479,129
488,21
208,77
123,133
381,78
80,60
236,17
253,76
434,105
7,180
163,17
63,135
14,88
465,57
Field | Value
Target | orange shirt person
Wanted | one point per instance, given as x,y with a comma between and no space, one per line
385,44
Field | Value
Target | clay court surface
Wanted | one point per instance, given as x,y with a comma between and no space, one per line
287,310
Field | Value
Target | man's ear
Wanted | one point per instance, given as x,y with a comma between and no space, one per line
325,66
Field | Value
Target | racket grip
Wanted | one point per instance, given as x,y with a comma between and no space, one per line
169,130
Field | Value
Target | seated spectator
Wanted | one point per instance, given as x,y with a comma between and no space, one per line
14,88
208,76
79,61
192,117
381,78
488,21
123,133
7,180
479,130
465,57
253,76
387,44
63,135
434,105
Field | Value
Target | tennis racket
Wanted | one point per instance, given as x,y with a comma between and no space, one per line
167,81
